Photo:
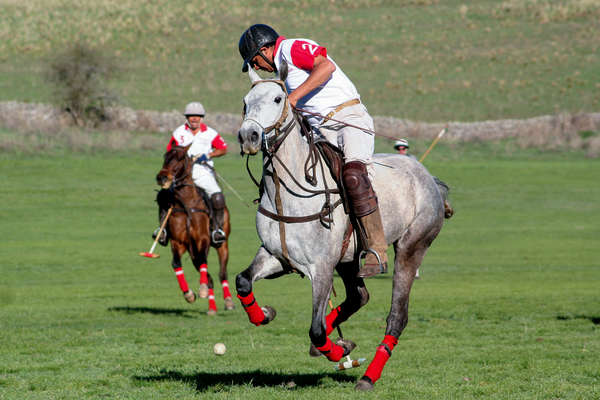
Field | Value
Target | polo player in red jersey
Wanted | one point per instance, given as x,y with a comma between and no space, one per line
323,93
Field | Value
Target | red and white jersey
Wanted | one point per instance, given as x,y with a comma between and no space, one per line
203,142
300,55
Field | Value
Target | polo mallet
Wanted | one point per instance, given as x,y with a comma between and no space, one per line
151,254
224,181
437,139
349,363
232,189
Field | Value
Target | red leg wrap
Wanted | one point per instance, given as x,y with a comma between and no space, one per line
329,320
203,274
212,305
226,292
381,357
255,313
181,279
332,351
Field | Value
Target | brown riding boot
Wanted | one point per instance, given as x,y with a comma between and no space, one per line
363,203
218,206
376,256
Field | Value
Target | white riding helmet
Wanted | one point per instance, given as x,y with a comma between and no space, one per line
194,108
401,143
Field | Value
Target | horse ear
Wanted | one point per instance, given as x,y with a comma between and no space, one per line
253,75
283,71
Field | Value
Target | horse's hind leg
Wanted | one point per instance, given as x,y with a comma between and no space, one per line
223,253
199,258
321,287
404,273
202,268
212,305
356,296
264,265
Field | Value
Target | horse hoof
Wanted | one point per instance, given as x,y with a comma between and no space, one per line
203,291
364,384
313,351
348,345
211,312
189,296
229,303
270,314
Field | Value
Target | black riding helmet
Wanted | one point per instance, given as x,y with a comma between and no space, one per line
251,41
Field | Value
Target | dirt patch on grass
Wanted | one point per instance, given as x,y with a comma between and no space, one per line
572,131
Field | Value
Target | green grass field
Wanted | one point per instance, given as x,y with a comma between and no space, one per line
425,60
508,306
509,303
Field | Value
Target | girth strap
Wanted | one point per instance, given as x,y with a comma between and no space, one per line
192,210
279,208
287,219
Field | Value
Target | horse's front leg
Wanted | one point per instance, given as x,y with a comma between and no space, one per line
178,249
263,266
223,253
321,286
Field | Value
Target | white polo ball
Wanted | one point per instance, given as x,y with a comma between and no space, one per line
219,349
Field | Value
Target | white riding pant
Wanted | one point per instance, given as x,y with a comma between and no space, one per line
356,144
204,178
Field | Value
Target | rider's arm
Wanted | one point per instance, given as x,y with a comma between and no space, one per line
217,153
219,147
322,70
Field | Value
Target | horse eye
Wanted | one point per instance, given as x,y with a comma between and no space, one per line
278,99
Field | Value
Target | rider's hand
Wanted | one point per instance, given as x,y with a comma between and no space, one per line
292,100
202,158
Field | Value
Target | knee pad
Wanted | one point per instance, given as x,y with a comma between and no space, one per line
218,201
359,189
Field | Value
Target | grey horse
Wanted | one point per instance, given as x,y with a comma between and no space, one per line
303,228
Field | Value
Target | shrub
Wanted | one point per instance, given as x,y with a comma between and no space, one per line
81,75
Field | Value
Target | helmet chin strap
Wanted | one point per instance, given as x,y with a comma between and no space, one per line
272,64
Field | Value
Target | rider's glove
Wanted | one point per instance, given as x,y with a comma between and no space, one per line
202,158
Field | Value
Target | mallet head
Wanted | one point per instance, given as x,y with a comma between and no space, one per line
349,363
149,255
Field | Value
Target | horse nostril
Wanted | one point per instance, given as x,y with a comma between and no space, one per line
254,137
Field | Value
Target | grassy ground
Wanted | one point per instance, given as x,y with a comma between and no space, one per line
507,307
422,60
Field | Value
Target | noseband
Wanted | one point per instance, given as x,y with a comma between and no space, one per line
273,135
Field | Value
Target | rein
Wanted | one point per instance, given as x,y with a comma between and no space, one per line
180,182
328,118
273,137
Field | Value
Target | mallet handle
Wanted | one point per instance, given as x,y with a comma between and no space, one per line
162,226
439,136
338,327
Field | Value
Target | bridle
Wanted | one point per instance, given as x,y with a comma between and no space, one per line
178,181
273,136
180,176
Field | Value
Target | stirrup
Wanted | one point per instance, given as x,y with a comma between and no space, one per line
371,270
218,236
162,240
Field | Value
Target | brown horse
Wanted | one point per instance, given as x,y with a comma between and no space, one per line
189,227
